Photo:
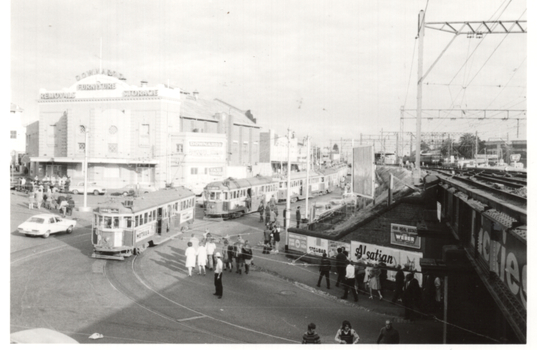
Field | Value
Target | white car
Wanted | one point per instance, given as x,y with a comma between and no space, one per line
91,188
131,189
46,224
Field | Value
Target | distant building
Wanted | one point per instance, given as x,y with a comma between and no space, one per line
276,150
137,134
17,134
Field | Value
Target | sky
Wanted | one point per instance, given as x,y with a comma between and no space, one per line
327,69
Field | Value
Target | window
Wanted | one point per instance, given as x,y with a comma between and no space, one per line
112,130
112,148
81,147
144,135
145,218
81,129
129,221
179,148
193,171
13,134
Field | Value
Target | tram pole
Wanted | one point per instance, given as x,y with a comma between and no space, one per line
307,176
85,208
288,199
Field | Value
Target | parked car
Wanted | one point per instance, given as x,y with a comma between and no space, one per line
40,336
91,188
46,224
130,190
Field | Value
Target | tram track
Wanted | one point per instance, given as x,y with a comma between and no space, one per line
129,281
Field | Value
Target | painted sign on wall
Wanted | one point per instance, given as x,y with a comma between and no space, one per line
405,236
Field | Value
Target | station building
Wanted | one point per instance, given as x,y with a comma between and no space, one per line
137,134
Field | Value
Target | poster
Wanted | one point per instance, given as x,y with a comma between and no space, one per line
405,236
317,246
298,242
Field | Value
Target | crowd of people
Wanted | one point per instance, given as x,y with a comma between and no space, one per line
347,335
44,196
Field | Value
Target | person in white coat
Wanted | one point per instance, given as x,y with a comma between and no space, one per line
202,258
211,248
190,254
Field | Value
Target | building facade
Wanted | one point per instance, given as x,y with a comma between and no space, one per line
17,134
137,134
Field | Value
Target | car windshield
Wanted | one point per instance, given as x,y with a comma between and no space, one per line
37,220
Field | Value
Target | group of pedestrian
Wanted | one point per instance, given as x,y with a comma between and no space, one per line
347,335
271,238
43,196
200,254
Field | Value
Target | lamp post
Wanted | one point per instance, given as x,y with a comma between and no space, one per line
85,208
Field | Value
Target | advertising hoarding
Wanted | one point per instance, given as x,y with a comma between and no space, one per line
363,171
405,236
298,242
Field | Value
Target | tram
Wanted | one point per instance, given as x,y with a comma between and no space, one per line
125,226
232,198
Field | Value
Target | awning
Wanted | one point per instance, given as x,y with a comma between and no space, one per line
92,160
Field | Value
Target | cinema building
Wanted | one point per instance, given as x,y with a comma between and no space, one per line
137,134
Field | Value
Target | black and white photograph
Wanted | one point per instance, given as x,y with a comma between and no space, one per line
268,172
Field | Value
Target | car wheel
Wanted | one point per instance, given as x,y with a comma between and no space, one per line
95,193
46,234
69,230
75,191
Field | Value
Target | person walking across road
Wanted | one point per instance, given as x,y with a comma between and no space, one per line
211,248
247,254
388,335
227,259
298,217
350,282
261,210
31,199
360,274
374,281
190,254
267,214
411,296
341,263
202,258
266,243
239,260
311,337
324,270
219,288
347,335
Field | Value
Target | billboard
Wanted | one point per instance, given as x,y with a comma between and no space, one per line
363,171
405,236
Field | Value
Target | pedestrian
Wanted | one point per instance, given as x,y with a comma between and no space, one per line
350,281
399,284
298,217
224,253
438,293
261,209
195,241
202,258
383,277
360,274
411,296
267,214
341,263
31,199
347,335
230,256
284,218
388,335
266,243
374,281
63,206
311,337
237,254
324,270
273,215
39,198
211,248
276,237
247,255
190,254
219,289
272,203
70,205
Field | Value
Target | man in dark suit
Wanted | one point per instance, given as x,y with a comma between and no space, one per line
341,264
411,297
298,217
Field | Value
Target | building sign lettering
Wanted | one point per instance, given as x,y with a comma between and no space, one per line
406,236
139,93
56,95
99,86
218,171
142,235
205,144
96,71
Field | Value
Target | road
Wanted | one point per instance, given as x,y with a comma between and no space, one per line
150,298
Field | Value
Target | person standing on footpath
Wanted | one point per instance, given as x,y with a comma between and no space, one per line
202,258
211,247
350,281
341,263
324,270
399,284
266,234
298,217
276,237
411,296
360,274
374,281
218,276
311,337
239,261
190,254
284,218
261,210
388,335
347,335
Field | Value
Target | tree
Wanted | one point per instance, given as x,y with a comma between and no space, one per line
424,147
467,145
448,148
335,148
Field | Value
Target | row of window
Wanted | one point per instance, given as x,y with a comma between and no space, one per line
149,216
211,195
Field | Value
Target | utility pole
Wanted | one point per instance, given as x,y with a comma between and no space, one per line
307,177
85,208
476,150
421,34
288,199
